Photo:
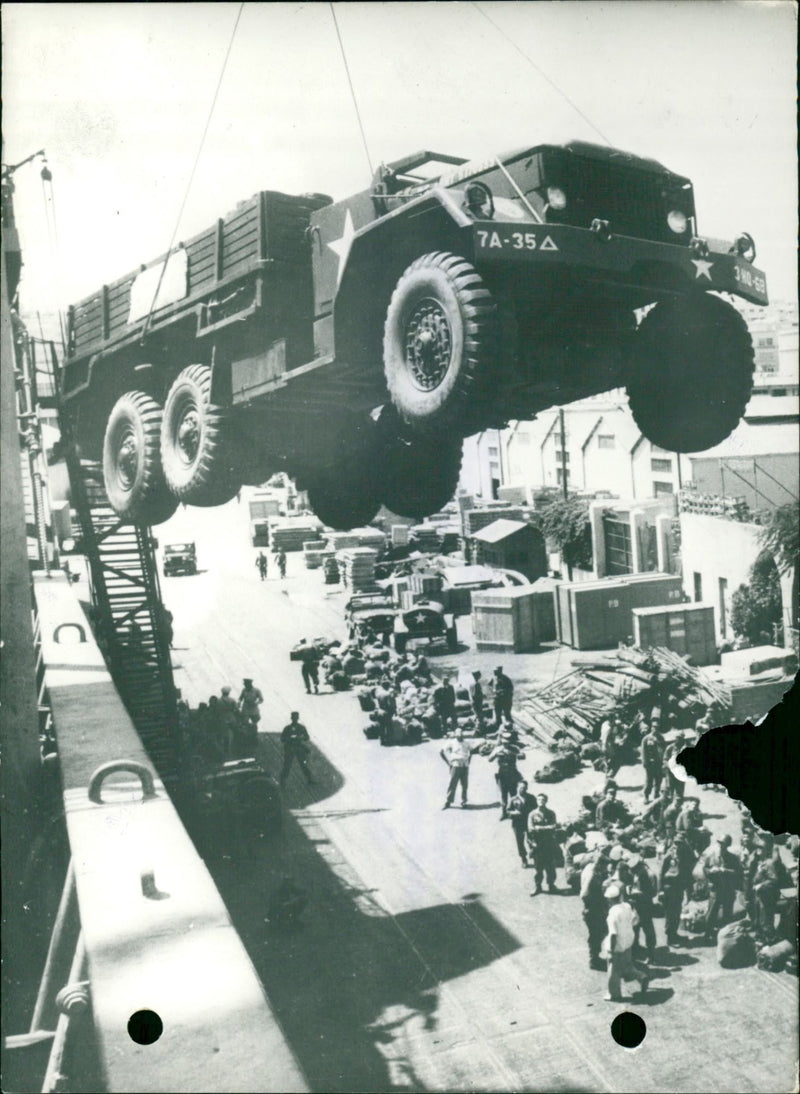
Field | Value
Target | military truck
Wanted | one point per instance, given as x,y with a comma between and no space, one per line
427,619
354,344
180,558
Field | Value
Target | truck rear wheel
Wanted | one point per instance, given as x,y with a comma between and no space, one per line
438,343
132,472
196,452
693,373
421,476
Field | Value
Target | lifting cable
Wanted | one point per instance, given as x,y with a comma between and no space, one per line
541,72
352,90
49,198
194,169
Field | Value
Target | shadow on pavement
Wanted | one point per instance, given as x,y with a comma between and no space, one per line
350,983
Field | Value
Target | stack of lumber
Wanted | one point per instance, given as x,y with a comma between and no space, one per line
357,567
314,553
425,537
627,682
339,541
291,534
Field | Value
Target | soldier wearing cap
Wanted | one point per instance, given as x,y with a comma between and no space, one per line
542,840
721,869
296,746
505,754
503,696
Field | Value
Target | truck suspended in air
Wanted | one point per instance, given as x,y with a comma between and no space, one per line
354,344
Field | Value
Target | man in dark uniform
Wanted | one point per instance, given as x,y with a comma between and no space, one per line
595,908
652,755
520,806
296,746
444,703
476,698
721,869
503,696
507,775
611,810
674,881
542,841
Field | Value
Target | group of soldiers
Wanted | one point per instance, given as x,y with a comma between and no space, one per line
262,563
604,853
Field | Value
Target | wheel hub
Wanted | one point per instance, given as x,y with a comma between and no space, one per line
189,436
428,344
128,459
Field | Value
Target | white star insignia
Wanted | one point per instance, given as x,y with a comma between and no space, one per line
342,245
703,267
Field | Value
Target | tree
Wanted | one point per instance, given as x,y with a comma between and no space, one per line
756,607
780,535
565,521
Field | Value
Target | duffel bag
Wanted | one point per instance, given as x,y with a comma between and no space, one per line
774,958
736,947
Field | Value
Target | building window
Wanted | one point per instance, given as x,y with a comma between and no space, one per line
562,476
605,440
661,489
523,438
661,465
723,606
562,457
698,587
493,451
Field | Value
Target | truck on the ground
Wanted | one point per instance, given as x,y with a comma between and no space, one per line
427,619
180,558
374,611
354,344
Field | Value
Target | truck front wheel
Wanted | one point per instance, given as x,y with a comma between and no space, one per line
196,452
693,373
132,461
439,342
421,476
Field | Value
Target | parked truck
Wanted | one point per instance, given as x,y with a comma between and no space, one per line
354,344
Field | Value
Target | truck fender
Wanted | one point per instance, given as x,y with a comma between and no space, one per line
379,254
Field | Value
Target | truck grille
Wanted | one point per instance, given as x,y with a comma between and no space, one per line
632,201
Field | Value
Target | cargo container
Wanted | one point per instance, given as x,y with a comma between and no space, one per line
514,619
687,629
596,615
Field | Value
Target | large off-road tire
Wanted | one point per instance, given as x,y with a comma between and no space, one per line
439,344
196,450
692,373
421,476
132,475
343,501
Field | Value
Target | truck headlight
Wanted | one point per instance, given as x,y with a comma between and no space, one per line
677,221
556,198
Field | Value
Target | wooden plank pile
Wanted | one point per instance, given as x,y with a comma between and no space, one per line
357,567
291,535
628,682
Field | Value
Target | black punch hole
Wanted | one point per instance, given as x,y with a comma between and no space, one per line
628,1029
145,1027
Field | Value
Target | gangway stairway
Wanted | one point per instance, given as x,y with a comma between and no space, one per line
128,617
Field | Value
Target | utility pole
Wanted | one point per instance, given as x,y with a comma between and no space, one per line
564,490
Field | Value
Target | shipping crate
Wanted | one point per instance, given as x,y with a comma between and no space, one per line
513,619
687,629
596,615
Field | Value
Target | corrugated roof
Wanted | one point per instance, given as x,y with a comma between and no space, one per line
499,529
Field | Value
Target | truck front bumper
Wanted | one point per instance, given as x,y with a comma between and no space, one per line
622,260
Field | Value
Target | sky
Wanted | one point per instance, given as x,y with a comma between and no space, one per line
119,96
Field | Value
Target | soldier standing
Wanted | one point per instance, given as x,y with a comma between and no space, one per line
261,565
503,697
296,746
543,843
457,755
652,754
593,878
520,806
507,775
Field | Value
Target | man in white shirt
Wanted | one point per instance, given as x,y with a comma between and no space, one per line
457,754
621,965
